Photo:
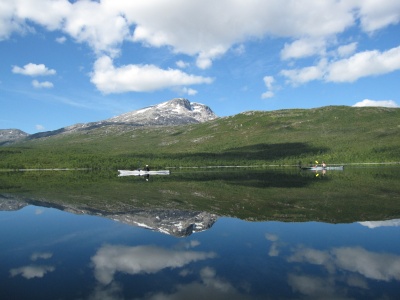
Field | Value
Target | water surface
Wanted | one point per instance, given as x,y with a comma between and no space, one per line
252,234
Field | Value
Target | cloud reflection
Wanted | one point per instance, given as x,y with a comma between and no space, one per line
110,259
31,271
375,224
376,266
210,286
274,239
34,271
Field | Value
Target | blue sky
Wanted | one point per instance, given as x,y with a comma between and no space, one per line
66,62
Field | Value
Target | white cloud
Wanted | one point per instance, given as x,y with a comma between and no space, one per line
189,91
378,14
139,78
141,259
376,103
181,64
306,74
43,84
204,34
347,50
303,48
39,127
198,29
61,39
33,70
104,31
269,81
364,64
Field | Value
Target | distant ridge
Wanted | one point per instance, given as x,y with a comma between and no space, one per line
10,135
177,111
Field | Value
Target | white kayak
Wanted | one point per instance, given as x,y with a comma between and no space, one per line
142,172
323,168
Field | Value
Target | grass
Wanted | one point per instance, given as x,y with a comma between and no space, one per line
336,134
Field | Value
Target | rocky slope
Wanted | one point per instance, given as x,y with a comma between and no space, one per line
174,112
10,135
177,111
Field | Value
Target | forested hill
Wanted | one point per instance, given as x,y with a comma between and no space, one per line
336,134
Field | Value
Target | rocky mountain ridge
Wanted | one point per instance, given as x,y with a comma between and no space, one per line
178,111
10,135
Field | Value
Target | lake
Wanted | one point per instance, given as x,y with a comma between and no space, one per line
245,233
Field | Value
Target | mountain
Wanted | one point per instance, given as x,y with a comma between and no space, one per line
10,135
174,112
178,111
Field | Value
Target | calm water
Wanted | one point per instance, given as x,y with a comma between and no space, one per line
67,241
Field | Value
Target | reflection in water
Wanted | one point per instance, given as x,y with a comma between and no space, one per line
376,224
34,270
88,248
174,222
31,271
346,266
87,257
110,259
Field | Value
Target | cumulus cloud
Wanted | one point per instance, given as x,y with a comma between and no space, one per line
362,64
306,74
196,28
376,103
303,48
32,69
347,50
139,78
269,81
61,39
39,127
376,15
184,28
44,84
181,64
141,259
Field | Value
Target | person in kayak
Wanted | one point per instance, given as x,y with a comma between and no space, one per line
323,165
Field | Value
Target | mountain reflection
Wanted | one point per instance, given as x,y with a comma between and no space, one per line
174,222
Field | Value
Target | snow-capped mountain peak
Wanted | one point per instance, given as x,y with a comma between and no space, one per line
173,112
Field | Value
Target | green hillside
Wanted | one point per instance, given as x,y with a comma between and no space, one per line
336,134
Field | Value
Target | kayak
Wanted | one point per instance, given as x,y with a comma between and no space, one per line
142,172
323,168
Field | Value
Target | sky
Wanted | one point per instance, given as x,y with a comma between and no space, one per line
66,62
